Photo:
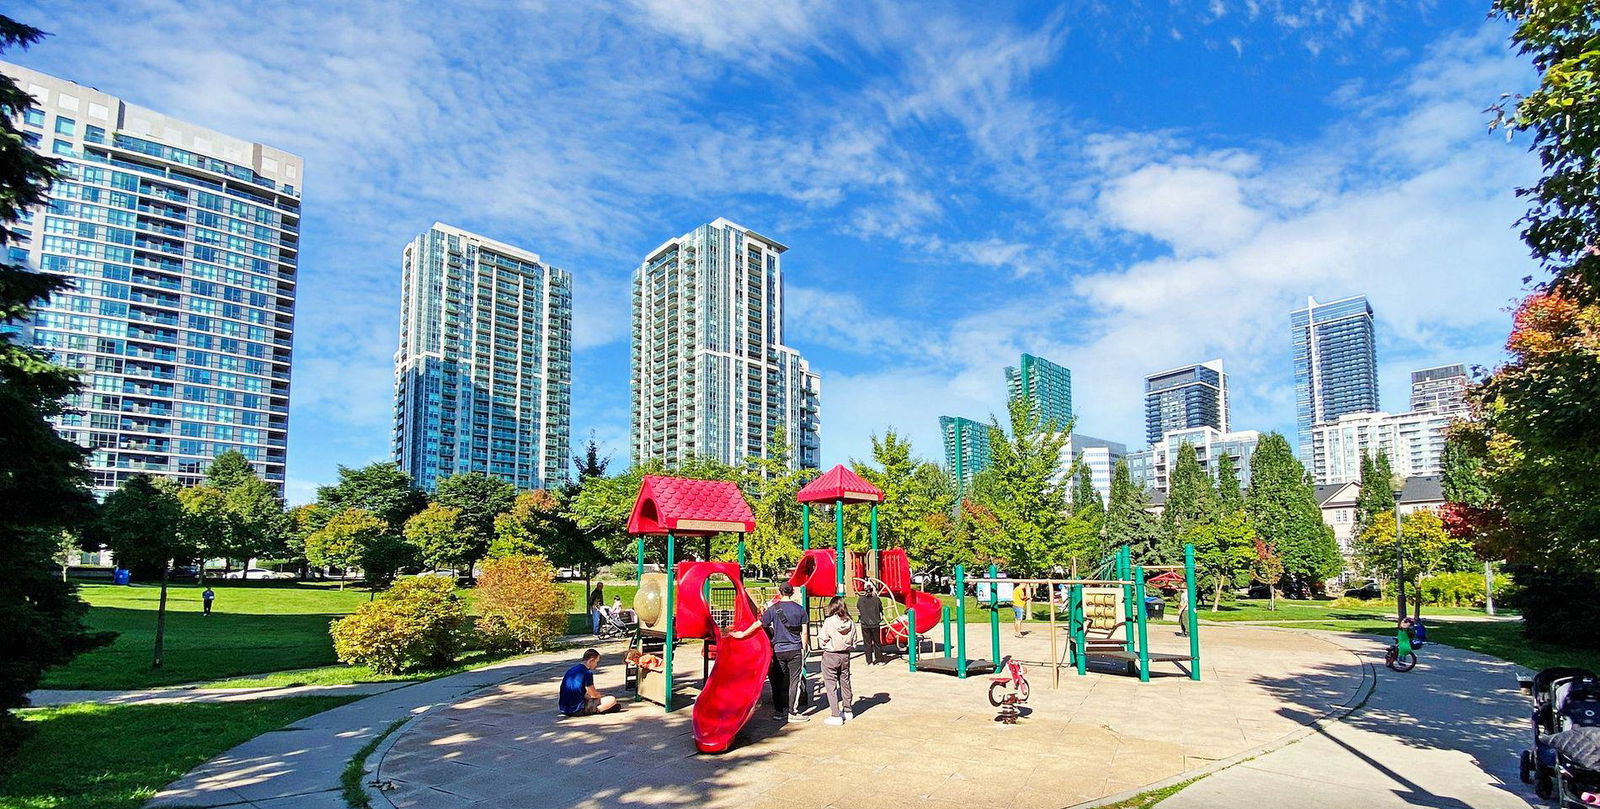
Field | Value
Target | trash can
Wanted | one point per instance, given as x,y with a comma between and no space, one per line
119,576
1154,607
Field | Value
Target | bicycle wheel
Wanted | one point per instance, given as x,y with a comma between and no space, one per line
1401,664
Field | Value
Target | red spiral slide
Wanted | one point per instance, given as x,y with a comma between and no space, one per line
731,692
895,570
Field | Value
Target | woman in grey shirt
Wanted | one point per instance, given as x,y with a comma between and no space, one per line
836,638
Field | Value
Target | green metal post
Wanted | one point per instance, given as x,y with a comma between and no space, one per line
672,620
639,576
838,546
1194,613
1079,634
961,622
805,545
741,550
946,616
994,613
1125,573
1144,637
873,530
911,637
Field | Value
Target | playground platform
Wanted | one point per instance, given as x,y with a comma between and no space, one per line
917,740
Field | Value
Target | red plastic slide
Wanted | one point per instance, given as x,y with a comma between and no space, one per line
895,570
817,573
731,692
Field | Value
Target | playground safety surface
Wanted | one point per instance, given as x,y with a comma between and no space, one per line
923,739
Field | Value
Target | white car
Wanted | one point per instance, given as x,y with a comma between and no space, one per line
257,573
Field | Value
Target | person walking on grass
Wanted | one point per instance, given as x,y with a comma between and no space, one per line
835,642
785,622
870,607
206,597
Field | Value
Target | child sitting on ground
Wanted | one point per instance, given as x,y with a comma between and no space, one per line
645,660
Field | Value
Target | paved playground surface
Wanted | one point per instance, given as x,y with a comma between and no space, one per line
918,739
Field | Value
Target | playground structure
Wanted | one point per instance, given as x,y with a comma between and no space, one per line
1107,619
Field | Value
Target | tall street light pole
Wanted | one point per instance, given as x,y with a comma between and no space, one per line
1398,485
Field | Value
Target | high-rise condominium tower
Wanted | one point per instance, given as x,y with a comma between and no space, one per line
1184,397
966,450
183,248
1335,363
483,376
1439,390
1047,387
711,375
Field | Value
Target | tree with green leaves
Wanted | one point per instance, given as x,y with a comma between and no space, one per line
1230,497
1224,551
1429,548
230,470
347,539
1191,500
591,464
1377,490
142,523
528,528
441,537
44,487
1461,474
1086,502
914,491
480,498
1283,508
383,490
1025,488
1128,518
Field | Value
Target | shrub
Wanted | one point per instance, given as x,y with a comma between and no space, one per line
1558,606
623,571
519,604
420,623
1353,603
1461,589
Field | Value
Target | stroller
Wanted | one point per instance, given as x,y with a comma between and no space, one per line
1564,764
616,624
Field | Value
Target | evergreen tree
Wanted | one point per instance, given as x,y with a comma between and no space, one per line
591,464
1128,519
43,484
1086,502
1025,488
1229,496
1283,508
1377,493
1191,500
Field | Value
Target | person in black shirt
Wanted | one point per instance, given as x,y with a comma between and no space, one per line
785,622
870,608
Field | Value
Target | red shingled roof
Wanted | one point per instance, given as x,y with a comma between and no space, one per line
839,483
687,507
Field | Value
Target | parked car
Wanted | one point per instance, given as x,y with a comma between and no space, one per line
185,573
257,573
1366,591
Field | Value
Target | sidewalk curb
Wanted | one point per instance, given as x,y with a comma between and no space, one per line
1363,692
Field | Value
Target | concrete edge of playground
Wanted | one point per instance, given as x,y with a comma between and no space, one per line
1369,681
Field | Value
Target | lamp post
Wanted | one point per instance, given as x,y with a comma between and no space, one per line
1398,485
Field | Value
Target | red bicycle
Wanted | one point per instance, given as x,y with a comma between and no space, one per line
1008,689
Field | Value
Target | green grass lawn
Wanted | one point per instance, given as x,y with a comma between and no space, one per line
88,756
259,634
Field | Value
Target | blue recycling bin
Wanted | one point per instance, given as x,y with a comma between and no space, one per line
120,576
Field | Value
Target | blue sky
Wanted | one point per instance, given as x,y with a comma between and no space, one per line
1120,187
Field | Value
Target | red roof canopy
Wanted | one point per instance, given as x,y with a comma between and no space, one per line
839,483
686,507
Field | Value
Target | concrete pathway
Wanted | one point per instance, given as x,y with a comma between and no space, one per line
922,740
158,696
1444,735
298,767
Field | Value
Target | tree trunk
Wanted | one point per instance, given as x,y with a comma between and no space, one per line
161,616
1216,595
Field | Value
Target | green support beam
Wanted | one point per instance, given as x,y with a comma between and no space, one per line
945,614
838,546
994,613
639,576
911,638
1194,613
961,622
672,620
1144,634
1079,635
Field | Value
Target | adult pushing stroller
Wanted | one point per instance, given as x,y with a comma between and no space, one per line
1564,764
